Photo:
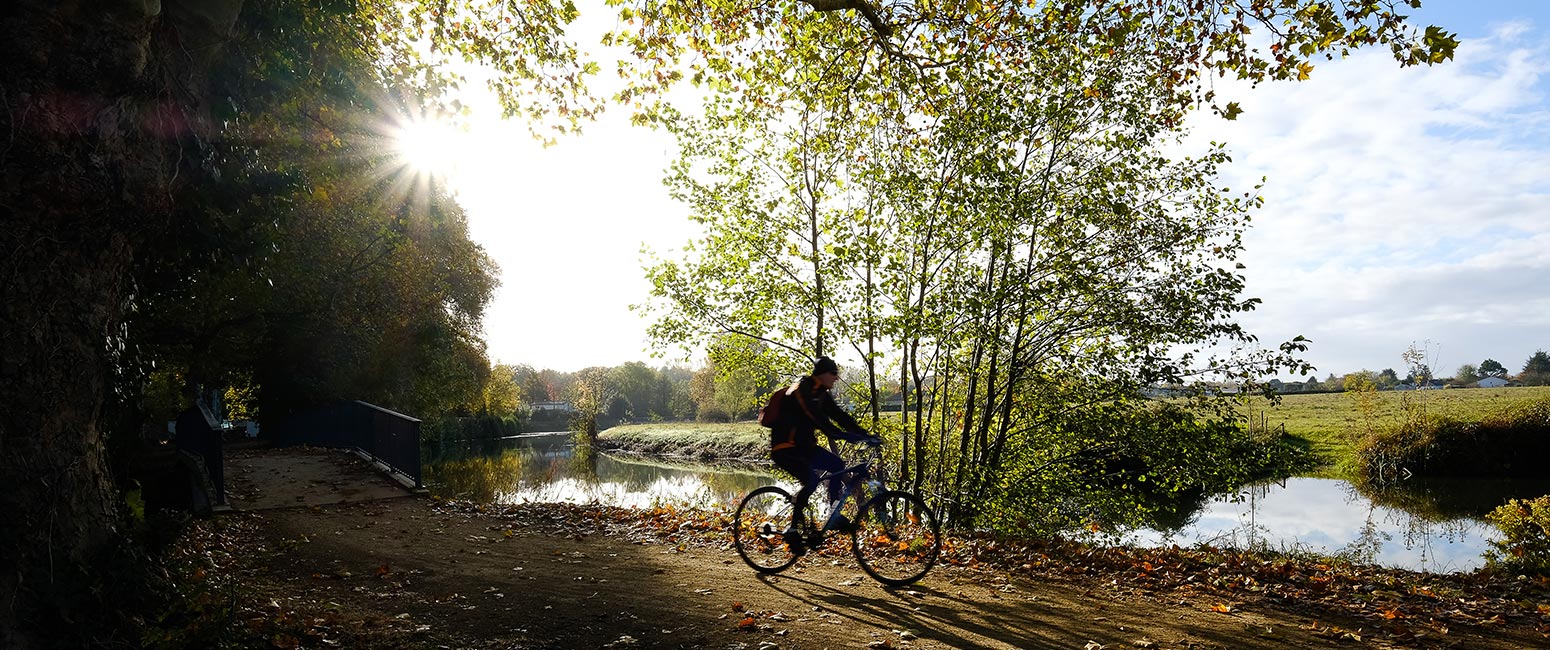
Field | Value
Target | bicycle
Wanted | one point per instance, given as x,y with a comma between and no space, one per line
894,535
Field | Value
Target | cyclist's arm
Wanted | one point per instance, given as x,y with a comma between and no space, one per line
848,429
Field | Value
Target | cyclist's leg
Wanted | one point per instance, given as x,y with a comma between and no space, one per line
796,463
828,462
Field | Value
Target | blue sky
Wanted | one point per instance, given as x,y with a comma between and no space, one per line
1403,206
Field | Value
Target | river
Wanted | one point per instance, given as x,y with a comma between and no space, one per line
1436,526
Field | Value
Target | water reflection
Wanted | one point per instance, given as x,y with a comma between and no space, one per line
1434,526
547,467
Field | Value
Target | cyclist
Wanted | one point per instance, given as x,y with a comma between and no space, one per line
808,408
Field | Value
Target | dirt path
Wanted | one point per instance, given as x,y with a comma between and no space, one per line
412,572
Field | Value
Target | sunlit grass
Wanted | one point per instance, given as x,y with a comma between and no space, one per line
734,440
1328,420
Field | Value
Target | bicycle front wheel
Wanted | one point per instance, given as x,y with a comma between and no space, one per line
897,538
758,530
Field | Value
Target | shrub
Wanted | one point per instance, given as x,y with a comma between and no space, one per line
1507,444
1525,544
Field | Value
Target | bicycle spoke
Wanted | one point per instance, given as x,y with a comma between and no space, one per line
758,530
897,539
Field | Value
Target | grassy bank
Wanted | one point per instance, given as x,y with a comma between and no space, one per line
737,440
1326,420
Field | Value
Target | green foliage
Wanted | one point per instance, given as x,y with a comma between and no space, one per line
240,401
1124,465
501,396
163,396
319,268
1525,543
758,52
477,427
1536,371
1507,443
1467,374
998,229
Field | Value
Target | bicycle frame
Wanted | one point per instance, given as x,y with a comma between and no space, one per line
850,480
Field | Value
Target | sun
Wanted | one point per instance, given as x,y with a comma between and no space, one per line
430,147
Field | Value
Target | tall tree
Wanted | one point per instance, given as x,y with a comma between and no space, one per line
1492,368
1536,371
1008,221
114,149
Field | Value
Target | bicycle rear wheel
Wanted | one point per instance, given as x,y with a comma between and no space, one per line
897,538
758,530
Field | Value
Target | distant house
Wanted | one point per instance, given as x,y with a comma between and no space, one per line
560,406
1430,384
1492,382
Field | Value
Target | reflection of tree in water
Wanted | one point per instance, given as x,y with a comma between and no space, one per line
1422,512
1448,499
1427,511
550,468
583,463
1368,543
484,478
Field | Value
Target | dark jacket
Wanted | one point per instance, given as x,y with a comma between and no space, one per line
808,408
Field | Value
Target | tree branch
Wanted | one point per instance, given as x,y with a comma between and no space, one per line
882,28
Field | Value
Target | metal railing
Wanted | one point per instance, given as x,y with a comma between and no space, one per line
387,437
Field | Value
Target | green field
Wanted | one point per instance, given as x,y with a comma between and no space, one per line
1327,419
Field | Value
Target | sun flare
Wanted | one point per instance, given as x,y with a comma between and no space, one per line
430,147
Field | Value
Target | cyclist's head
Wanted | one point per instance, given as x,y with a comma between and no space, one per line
826,371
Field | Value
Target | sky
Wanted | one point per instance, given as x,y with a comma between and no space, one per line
1403,207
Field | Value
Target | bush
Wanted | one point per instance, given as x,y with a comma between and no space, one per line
1525,545
1506,444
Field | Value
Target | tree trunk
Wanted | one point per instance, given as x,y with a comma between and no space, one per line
89,152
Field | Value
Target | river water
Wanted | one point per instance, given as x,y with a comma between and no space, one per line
1436,526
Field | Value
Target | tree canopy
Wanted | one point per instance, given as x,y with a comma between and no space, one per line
974,198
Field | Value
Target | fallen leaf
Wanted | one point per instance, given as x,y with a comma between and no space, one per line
1220,608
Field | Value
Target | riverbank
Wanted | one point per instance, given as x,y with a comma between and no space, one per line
738,441
1326,420
413,572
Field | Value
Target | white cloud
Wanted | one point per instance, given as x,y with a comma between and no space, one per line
1402,204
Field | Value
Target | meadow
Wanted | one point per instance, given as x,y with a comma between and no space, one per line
1328,421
